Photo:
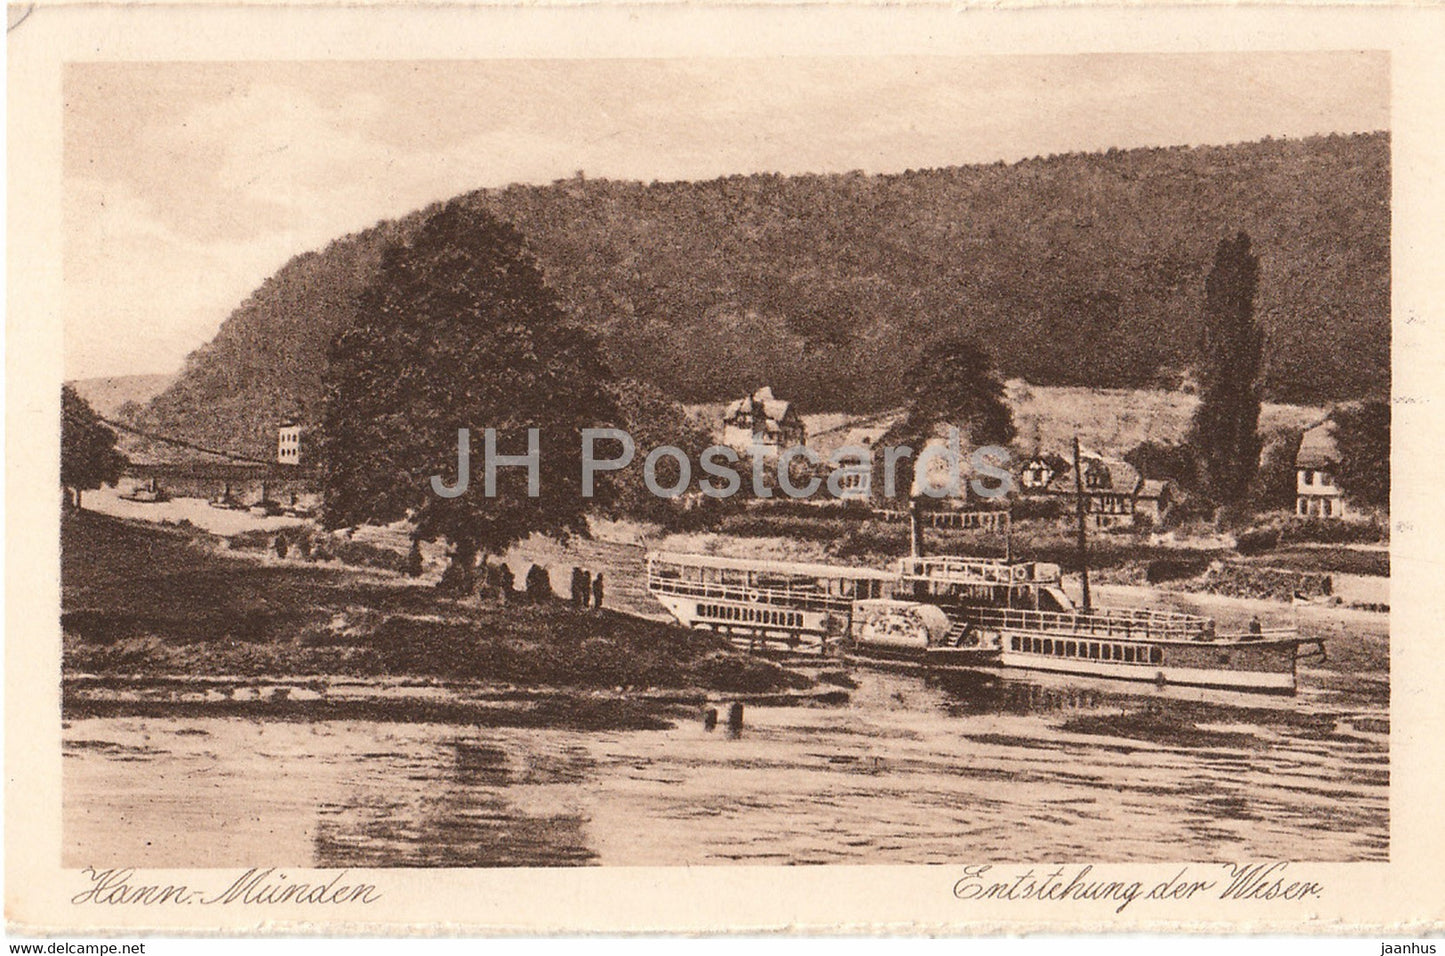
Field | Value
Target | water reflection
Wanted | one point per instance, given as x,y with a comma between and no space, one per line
912,770
461,816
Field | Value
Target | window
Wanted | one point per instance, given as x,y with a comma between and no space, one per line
1156,655
1072,649
1128,655
1015,643
1048,646
1325,507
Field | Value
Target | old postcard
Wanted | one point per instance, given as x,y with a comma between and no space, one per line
774,469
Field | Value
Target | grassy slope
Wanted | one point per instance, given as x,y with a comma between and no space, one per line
142,599
1108,420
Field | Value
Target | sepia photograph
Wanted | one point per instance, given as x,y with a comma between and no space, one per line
762,472
711,461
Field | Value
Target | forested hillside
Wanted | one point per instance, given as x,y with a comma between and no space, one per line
1083,269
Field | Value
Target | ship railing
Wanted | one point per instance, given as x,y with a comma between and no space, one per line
954,570
807,599
1126,624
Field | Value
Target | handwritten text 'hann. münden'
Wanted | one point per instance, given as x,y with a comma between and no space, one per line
264,887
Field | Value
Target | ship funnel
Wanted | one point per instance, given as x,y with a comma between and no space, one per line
915,529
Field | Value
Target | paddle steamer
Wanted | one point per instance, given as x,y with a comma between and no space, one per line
955,611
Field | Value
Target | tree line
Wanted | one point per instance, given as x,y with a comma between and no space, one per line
1071,270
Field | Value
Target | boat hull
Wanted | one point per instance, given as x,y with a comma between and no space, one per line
1264,666
793,626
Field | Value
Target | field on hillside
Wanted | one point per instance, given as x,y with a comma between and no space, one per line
1107,420
1114,420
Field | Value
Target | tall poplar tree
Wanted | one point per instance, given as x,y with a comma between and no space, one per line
1225,427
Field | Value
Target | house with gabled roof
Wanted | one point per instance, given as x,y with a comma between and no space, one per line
1316,464
762,420
1114,491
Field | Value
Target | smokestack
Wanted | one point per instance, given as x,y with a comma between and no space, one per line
915,529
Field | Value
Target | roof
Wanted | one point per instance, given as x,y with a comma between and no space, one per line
1154,488
781,567
773,408
1123,477
1317,447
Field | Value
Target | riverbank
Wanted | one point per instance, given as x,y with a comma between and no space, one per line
148,603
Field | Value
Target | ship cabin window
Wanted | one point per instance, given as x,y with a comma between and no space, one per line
1156,655
1128,655
1048,646
1093,651
1058,648
1072,650
1015,643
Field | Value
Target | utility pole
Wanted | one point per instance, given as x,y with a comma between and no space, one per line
915,529
1079,509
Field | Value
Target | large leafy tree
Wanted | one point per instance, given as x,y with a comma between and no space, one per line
458,329
1362,437
1225,427
952,383
88,456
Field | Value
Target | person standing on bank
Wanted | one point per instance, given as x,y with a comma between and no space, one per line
597,591
579,587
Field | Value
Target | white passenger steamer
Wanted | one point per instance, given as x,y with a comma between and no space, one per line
793,604
953,611
1021,608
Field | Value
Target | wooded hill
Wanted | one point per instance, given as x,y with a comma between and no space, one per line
1081,269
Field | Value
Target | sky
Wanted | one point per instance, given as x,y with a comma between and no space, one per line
187,184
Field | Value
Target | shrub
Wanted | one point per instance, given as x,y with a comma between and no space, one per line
1174,569
1030,508
361,554
1335,531
1257,540
539,584
250,541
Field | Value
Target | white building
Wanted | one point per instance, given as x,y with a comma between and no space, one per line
1316,465
288,443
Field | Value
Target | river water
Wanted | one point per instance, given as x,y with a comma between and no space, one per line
912,770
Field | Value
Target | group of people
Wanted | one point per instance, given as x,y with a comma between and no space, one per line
586,587
499,580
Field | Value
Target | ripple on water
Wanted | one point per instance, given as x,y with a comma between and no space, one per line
914,770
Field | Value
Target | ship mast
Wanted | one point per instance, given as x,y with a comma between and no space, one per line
1079,510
